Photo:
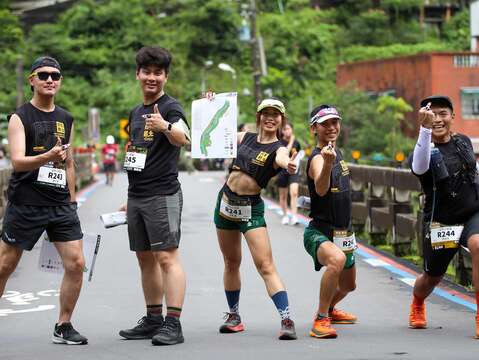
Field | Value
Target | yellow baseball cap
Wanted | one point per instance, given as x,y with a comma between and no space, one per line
273,103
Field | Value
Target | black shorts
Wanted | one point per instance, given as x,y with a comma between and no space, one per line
437,261
109,167
284,179
154,222
24,224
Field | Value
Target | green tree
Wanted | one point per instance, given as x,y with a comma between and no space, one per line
458,31
11,38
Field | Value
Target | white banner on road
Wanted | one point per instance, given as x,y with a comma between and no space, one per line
50,261
214,126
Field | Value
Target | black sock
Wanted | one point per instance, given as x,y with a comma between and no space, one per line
154,310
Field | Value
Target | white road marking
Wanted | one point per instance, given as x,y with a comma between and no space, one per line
376,262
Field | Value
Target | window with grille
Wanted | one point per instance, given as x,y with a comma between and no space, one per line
470,103
466,61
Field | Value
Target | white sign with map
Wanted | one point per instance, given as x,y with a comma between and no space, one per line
50,261
214,126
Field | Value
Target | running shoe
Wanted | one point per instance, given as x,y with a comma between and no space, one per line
417,317
285,220
477,326
170,333
232,324
322,329
146,328
66,334
294,220
342,317
287,330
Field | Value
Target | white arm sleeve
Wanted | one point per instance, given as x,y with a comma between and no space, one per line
422,152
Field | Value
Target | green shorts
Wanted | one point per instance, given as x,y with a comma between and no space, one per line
256,221
312,239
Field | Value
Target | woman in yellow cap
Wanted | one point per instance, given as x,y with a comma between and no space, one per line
240,210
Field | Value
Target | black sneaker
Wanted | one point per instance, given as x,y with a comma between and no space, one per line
146,328
66,334
232,324
170,333
287,330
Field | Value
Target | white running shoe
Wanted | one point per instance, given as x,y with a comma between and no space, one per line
285,220
294,220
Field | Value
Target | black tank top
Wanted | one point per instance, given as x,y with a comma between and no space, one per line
333,210
457,196
41,131
256,159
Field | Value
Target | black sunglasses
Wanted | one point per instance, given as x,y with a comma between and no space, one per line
44,75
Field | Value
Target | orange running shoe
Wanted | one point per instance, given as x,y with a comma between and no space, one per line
342,317
417,317
322,329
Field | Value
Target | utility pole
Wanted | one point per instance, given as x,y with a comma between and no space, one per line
256,56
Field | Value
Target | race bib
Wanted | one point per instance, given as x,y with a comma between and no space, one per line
234,211
345,240
445,236
52,176
135,158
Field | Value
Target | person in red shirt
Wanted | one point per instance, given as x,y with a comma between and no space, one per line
109,153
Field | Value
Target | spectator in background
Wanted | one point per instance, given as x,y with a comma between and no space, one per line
109,153
288,183
4,162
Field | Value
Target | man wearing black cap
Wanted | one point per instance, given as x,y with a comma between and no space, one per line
445,165
41,192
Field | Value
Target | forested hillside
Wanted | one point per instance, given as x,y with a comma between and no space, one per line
303,40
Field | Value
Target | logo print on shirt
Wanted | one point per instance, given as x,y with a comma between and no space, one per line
44,135
148,135
60,129
344,167
261,158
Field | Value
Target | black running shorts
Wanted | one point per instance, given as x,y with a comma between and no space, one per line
154,222
109,167
437,261
284,179
24,224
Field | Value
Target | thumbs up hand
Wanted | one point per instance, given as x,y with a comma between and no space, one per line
292,164
57,153
328,153
426,116
155,121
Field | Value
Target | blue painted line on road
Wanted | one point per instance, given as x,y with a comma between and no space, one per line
85,193
390,265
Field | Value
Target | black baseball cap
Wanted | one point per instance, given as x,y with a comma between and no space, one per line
438,100
45,61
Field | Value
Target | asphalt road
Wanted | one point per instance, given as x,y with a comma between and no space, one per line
113,300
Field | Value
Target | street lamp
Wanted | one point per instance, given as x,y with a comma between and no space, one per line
229,68
207,64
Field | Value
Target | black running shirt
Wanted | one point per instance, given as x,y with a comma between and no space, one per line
160,175
41,132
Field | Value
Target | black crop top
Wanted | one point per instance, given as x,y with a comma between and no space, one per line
256,159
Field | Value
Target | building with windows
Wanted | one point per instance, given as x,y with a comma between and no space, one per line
417,76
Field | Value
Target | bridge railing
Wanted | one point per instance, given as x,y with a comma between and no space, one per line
387,208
